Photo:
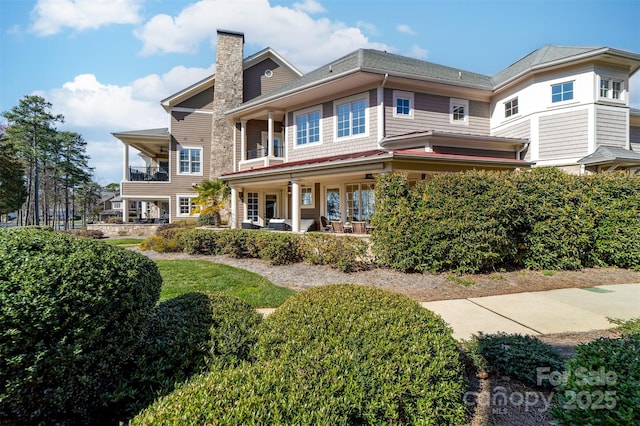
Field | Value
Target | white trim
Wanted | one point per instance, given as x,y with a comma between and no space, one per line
454,102
192,110
313,198
621,100
190,197
180,147
399,94
349,100
307,111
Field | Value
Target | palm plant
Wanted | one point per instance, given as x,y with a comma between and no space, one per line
212,197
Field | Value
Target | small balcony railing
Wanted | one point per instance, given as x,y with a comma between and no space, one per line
148,174
252,154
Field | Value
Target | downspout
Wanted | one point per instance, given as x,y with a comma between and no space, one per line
521,150
382,128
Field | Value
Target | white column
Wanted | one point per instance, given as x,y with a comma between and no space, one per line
270,134
233,221
295,206
243,140
125,165
125,209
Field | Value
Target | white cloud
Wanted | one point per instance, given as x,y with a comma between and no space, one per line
405,29
309,6
52,16
368,27
304,41
418,52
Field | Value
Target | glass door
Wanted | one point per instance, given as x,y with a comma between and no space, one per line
270,206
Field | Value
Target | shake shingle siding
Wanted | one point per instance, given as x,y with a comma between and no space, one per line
634,137
563,135
203,100
256,83
611,128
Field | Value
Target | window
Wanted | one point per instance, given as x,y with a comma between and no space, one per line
307,196
562,92
308,128
351,118
403,104
116,205
252,206
511,107
190,161
360,199
610,89
458,111
185,205
333,204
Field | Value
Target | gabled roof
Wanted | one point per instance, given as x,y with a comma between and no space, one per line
611,154
208,81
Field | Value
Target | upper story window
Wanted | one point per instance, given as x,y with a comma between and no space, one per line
190,161
307,128
610,88
351,118
511,107
458,111
562,92
403,104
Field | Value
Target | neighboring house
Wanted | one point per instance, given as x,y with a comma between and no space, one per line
298,147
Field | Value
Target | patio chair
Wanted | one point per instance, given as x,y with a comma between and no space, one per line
337,226
325,225
359,227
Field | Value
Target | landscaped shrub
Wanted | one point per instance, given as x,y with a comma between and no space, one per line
515,356
601,384
335,355
86,233
345,253
186,335
72,311
630,327
276,248
161,244
377,356
113,219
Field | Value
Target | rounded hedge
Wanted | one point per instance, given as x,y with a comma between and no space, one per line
72,311
334,355
187,335
601,384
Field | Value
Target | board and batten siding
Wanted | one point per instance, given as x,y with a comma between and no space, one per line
431,112
329,144
611,127
563,135
634,137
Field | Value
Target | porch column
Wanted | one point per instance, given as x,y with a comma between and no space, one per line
295,206
233,219
270,134
125,165
243,140
125,209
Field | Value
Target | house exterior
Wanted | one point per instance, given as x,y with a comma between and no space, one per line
297,147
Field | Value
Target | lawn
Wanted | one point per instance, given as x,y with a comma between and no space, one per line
124,242
184,276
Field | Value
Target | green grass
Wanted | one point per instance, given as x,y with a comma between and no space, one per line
459,280
185,276
125,242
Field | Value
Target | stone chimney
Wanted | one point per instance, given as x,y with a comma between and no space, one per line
227,94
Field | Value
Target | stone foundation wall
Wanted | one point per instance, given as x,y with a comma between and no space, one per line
122,230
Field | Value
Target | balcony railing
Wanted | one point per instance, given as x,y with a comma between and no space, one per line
148,174
252,154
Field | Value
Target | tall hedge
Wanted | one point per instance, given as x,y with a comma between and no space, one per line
72,311
480,221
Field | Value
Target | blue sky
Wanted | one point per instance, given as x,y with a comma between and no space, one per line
106,64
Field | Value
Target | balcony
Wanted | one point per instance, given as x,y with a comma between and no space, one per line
148,174
264,152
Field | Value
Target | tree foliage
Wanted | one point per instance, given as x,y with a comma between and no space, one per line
13,191
212,196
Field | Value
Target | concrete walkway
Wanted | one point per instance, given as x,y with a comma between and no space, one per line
544,312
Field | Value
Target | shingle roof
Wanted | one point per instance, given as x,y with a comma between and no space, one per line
610,154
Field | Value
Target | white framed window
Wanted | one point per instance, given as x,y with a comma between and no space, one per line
458,111
511,107
253,203
562,92
307,127
116,205
190,161
185,205
306,197
351,117
610,88
360,200
402,104
332,197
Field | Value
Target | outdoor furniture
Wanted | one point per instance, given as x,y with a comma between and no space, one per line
337,226
359,227
247,224
325,225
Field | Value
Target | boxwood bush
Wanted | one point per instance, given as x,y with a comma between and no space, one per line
601,384
184,336
334,355
72,310
344,253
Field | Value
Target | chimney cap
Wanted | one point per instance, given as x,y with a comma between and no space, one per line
232,33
